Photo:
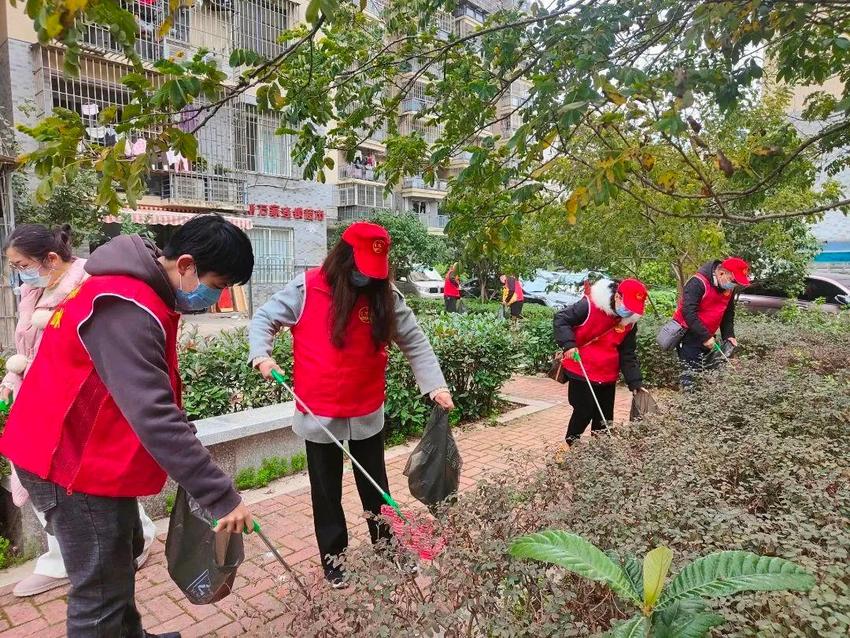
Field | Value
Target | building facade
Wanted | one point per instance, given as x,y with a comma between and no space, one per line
359,191
243,171
833,231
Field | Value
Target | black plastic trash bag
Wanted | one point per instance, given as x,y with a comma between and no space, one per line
433,469
642,406
200,561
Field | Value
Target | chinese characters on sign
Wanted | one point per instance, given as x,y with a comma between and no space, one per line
286,212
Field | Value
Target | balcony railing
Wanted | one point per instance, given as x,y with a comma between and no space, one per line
350,171
374,7
430,220
416,104
418,182
194,188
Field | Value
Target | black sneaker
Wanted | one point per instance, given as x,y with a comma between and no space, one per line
337,578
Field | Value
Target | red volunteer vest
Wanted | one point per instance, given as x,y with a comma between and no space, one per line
336,382
64,425
451,289
598,339
518,291
711,308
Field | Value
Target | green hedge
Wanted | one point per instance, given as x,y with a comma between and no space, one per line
475,351
755,459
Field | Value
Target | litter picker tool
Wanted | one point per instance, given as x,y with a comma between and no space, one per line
418,538
577,359
723,354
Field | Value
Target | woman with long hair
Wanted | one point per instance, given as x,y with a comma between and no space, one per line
40,259
343,316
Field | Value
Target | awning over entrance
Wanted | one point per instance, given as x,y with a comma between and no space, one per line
165,217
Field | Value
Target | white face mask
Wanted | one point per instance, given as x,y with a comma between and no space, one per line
33,277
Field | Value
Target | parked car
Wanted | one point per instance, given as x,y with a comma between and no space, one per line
827,291
422,282
557,289
471,289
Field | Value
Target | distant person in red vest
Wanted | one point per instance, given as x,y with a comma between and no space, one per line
512,295
98,420
602,328
708,304
451,289
343,316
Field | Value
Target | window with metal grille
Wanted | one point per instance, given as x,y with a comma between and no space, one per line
274,254
259,148
259,23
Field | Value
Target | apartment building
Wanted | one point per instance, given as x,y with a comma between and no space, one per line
833,230
359,191
244,170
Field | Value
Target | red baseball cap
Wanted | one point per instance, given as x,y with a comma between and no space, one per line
634,295
371,244
739,268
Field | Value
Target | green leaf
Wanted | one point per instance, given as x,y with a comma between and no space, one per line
726,573
312,13
656,564
634,571
576,555
695,626
635,627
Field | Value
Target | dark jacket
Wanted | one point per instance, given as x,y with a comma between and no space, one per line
692,296
127,347
571,316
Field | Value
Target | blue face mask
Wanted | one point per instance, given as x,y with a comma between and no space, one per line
359,280
32,277
624,312
729,285
201,298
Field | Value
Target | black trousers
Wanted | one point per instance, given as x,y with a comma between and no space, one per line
451,304
584,407
324,465
695,358
516,309
100,538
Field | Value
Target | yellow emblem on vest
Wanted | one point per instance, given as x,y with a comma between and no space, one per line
73,293
363,315
56,319
619,328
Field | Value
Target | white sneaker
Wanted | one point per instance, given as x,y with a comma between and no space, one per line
37,584
143,557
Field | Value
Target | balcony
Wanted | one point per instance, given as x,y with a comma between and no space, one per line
433,221
409,125
196,189
366,173
416,104
416,186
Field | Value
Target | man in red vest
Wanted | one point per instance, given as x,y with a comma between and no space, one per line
708,304
602,328
451,289
98,421
343,316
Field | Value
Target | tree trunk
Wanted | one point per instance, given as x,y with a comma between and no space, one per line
679,272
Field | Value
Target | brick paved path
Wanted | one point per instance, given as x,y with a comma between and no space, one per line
286,518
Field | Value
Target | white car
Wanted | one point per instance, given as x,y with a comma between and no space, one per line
424,282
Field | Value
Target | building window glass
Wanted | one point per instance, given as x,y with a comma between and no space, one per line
274,250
